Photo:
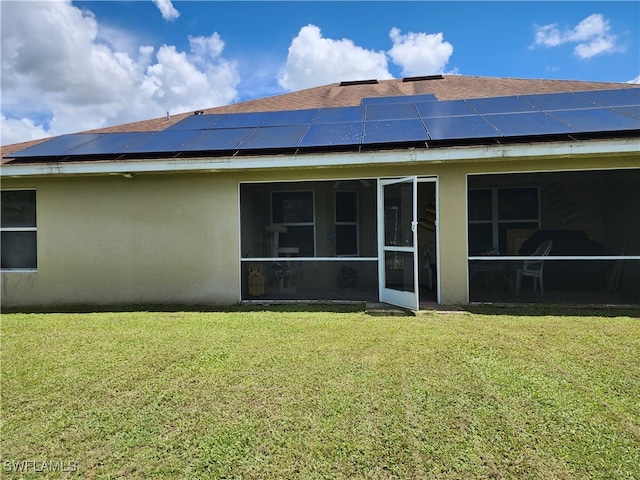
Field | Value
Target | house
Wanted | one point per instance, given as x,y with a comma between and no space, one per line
414,192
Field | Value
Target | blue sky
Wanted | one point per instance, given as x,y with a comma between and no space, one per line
72,66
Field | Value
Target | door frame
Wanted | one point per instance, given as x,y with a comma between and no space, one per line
405,299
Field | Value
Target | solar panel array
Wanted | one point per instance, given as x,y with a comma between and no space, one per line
385,120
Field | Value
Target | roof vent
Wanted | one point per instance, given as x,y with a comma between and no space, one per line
358,82
424,77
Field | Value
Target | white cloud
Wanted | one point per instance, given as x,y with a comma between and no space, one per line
592,36
419,53
591,27
595,47
635,80
548,35
314,60
24,129
167,9
71,80
82,75
206,48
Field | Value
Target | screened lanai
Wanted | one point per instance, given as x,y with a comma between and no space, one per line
311,240
319,240
589,219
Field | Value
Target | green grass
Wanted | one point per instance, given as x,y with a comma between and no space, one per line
288,394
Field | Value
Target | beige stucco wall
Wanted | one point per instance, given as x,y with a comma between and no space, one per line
173,238
150,239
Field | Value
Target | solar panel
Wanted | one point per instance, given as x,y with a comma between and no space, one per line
396,111
499,105
57,146
290,117
445,108
389,131
332,134
597,120
218,140
630,111
427,97
339,115
528,123
613,98
383,120
242,120
455,128
274,137
198,122
110,143
557,101
168,141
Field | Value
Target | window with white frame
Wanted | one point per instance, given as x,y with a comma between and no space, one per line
346,223
18,230
295,212
495,211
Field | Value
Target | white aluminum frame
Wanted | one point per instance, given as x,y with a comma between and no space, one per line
409,300
22,229
297,259
497,258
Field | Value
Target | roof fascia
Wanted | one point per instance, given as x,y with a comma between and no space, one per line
403,156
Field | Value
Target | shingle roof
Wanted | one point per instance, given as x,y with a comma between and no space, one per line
449,87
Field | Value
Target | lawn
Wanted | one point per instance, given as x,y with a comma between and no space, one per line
286,394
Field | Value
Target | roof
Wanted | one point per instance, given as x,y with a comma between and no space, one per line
347,94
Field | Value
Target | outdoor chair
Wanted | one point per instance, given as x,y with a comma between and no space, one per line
534,268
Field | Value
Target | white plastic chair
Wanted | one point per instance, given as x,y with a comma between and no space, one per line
534,268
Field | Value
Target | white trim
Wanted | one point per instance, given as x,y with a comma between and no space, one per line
554,257
309,259
405,299
387,248
23,229
239,239
19,229
365,158
394,181
436,182
578,169
312,179
466,233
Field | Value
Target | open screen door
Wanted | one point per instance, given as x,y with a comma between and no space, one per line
399,242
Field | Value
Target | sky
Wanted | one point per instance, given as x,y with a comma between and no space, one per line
72,66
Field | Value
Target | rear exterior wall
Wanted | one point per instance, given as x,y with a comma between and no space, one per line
173,239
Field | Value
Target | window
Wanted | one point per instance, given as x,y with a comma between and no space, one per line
346,221
493,212
294,210
18,230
